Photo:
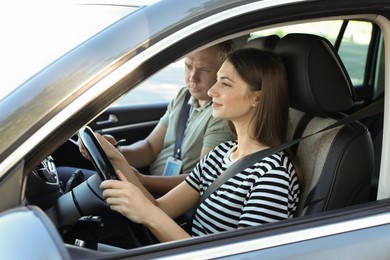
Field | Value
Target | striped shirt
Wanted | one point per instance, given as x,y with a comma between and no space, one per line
265,192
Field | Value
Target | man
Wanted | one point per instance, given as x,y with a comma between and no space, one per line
202,131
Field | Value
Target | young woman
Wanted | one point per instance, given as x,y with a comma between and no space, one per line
251,92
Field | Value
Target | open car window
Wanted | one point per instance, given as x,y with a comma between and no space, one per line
351,38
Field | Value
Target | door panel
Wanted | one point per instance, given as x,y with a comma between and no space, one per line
132,123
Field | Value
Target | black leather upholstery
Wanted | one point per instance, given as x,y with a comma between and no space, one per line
336,165
263,42
318,81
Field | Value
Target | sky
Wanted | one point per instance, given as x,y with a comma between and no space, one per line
35,33
22,48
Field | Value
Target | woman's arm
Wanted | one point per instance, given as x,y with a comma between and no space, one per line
130,198
174,204
127,199
160,184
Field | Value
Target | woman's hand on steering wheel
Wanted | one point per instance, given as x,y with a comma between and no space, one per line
128,200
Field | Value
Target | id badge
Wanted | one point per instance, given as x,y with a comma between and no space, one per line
172,167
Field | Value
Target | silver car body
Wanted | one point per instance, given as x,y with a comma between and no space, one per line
41,114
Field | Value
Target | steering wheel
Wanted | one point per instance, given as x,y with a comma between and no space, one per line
98,157
138,233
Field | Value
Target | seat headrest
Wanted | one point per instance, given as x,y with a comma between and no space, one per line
263,43
318,81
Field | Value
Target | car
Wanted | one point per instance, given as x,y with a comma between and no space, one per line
337,60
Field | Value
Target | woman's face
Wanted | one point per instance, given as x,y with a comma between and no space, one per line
232,98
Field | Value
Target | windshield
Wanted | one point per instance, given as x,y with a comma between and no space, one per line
35,33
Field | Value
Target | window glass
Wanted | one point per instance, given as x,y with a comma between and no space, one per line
161,87
164,85
353,48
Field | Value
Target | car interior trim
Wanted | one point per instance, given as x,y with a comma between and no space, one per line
286,238
129,127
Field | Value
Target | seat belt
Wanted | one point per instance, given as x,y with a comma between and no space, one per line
251,159
181,126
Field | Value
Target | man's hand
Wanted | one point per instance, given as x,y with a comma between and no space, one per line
110,138
83,151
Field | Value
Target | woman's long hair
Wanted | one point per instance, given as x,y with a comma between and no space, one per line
264,71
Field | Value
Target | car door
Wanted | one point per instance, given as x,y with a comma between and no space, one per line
364,233
129,122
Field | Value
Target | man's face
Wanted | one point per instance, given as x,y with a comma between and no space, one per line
201,72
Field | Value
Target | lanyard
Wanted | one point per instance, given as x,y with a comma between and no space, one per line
181,126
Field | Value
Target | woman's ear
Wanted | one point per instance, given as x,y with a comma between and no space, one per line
256,98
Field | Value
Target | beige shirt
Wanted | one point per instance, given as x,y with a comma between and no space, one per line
202,131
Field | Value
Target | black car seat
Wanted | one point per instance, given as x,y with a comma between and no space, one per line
263,42
337,164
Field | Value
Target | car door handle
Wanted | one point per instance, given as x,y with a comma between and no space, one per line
112,119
